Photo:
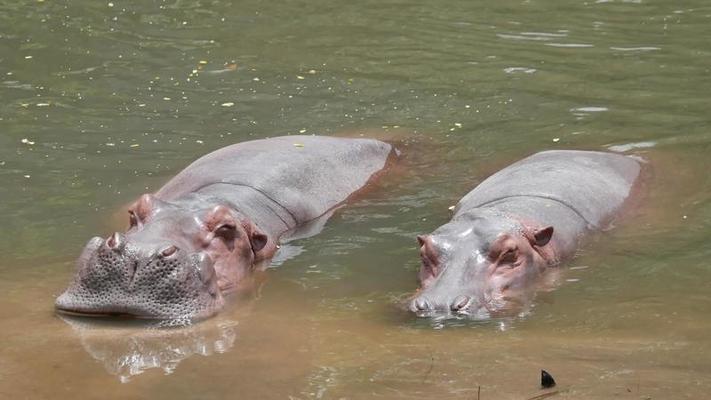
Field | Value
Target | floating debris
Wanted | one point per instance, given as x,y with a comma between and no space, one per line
227,104
27,141
298,145
556,139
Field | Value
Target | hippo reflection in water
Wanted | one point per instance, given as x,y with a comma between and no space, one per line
508,231
207,230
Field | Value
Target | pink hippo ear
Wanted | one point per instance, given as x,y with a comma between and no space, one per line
257,239
542,236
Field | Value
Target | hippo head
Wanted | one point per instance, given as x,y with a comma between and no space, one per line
172,263
481,264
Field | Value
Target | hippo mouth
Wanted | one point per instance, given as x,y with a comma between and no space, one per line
121,281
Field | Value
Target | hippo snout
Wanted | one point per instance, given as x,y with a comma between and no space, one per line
150,280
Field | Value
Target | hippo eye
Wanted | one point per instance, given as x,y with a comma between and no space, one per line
509,257
132,219
226,231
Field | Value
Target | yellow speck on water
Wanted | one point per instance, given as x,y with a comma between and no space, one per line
166,98
458,125
299,77
42,104
27,141
556,140
135,145
199,141
202,62
227,104
28,57
451,208
312,71
298,145
302,130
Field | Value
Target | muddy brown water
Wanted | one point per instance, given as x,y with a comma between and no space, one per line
102,101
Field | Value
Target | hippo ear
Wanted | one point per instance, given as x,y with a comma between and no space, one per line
542,236
257,239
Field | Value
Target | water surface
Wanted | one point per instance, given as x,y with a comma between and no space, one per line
103,101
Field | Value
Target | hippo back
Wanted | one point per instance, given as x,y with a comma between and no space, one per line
593,184
304,175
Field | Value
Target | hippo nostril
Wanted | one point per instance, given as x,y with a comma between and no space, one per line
115,242
168,251
421,304
460,303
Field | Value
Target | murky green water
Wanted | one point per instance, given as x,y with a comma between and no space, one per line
102,101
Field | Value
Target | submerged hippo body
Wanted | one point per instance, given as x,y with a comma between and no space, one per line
208,227
510,229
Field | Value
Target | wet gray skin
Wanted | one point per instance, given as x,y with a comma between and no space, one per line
208,229
509,231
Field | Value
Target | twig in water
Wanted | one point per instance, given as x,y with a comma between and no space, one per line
544,395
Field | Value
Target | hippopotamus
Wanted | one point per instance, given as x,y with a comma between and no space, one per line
217,221
512,228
